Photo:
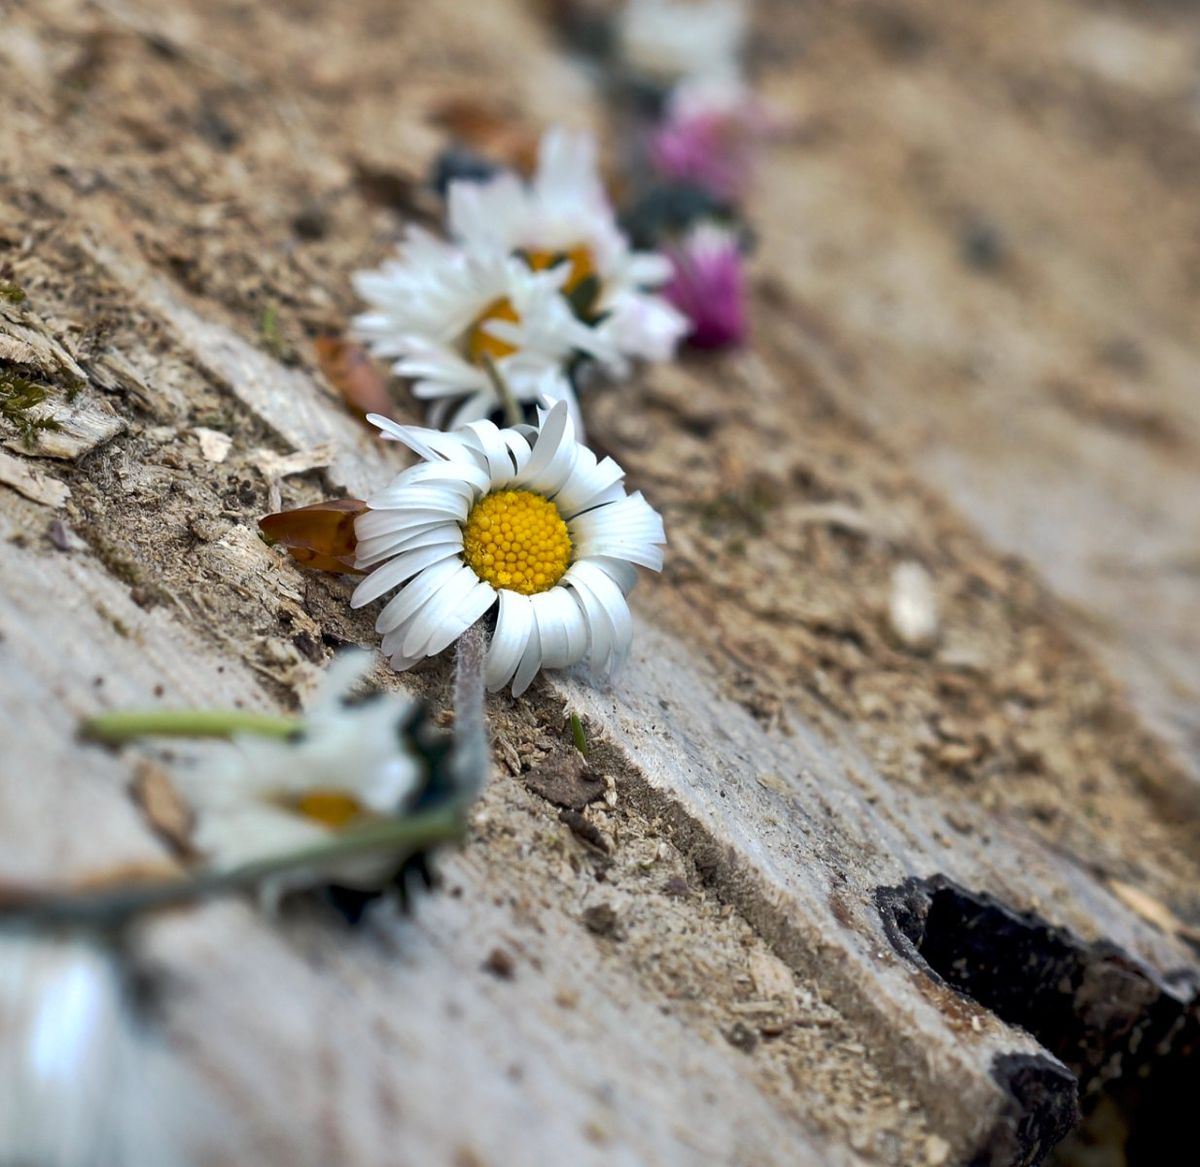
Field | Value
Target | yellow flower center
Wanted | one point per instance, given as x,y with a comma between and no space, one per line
579,257
480,341
516,539
330,808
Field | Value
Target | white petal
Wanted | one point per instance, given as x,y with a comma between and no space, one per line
436,413
561,628
492,446
437,392
437,496
577,629
619,572
390,430
406,491
631,517
402,663
461,476
401,607
401,523
601,633
643,554
648,269
598,590
622,619
514,623
531,661
488,213
627,529
478,600
610,494
518,447
551,438
587,484
441,373
437,615
550,479
372,551
595,524
431,445
403,567
557,386
474,408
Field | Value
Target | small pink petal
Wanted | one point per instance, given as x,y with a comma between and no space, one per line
710,141
709,286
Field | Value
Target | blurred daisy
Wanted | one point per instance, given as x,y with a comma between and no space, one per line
709,285
438,311
561,222
82,1084
524,518
352,763
669,41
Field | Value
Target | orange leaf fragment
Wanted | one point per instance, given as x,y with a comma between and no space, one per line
355,376
320,536
163,806
494,132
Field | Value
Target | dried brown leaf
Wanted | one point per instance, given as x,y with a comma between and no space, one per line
320,536
163,806
358,380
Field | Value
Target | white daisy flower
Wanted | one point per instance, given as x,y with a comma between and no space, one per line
561,221
669,41
438,310
351,764
523,518
82,1086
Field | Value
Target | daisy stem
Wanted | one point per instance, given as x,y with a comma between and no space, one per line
113,906
512,411
472,755
120,726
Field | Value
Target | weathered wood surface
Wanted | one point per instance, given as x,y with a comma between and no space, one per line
1006,259
721,974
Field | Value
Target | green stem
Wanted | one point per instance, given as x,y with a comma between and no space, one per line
114,728
512,410
111,907
578,735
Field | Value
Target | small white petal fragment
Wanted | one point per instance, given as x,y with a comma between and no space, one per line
214,445
913,607
937,1151
275,465
669,41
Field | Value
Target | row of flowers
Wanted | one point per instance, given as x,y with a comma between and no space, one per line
508,536
534,279
535,291
508,526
